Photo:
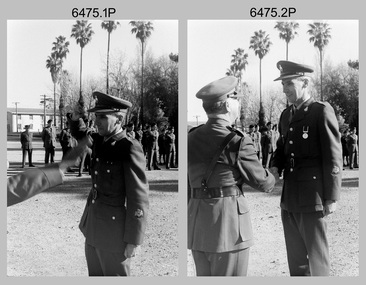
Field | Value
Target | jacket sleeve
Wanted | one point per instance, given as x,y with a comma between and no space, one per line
331,150
251,169
32,182
278,157
137,191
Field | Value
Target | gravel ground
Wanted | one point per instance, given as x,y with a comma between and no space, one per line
43,238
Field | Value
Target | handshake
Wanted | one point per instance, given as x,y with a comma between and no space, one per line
274,171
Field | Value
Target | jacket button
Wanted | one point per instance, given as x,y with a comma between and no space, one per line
290,142
108,171
291,169
97,159
314,177
113,218
292,154
291,129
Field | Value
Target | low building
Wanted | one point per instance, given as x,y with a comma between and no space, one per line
29,116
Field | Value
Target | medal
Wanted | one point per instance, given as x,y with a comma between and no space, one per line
305,131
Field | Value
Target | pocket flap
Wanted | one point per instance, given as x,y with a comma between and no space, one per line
243,206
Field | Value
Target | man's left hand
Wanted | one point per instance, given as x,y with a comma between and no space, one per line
130,250
329,207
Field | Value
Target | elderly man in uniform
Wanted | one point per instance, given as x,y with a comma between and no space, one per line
309,154
220,161
114,219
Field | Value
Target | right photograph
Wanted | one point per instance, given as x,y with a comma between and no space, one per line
273,161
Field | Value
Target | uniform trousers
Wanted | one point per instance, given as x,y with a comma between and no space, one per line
105,263
50,152
232,263
25,151
306,243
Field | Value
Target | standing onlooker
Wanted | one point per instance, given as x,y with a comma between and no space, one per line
130,130
26,138
275,136
170,148
257,138
139,134
67,142
309,154
345,154
49,141
266,145
162,147
152,147
352,142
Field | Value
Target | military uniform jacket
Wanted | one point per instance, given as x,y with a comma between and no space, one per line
26,140
49,137
117,206
222,224
309,154
32,182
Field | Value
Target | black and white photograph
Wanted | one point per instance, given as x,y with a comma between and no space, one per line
273,162
92,147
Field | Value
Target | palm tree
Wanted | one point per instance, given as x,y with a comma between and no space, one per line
82,32
60,49
320,35
287,32
54,64
260,43
238,64
110,26
143,30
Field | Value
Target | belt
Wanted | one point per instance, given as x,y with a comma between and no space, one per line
215,192
117,201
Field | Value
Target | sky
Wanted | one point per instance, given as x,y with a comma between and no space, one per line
29,43
212,42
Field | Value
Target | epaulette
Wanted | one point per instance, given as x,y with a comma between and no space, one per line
238,132
194,128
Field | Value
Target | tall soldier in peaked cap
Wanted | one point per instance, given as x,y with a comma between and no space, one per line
309,154
220,161
114,219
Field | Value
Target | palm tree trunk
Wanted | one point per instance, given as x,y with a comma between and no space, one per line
287,104
321,76
109,39
54,103
81,71
142,83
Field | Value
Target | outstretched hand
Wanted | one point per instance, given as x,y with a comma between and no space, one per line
73,156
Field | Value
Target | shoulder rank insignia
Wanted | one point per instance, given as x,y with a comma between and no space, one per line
238,132
194,128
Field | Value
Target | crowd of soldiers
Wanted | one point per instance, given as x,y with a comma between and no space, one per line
159,145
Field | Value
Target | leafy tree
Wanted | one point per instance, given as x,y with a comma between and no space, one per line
110,26
143,31
320,35
54,65
82,32
260,43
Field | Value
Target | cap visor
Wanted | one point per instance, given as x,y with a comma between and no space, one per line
288,77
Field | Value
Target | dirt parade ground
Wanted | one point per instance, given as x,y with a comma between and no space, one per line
43,238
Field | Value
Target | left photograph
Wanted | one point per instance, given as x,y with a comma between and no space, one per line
92,154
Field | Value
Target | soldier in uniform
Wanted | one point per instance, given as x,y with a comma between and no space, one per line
26,139
309,154
49,142
220,161
114,219
353,149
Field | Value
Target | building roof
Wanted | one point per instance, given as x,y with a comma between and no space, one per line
31,111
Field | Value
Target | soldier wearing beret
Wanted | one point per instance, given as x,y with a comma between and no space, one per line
114,219
220,161
309,155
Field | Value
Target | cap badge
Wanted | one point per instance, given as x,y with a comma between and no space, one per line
139,213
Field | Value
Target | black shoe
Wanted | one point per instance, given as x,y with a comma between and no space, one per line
157,168
31,165
79,175
70,170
